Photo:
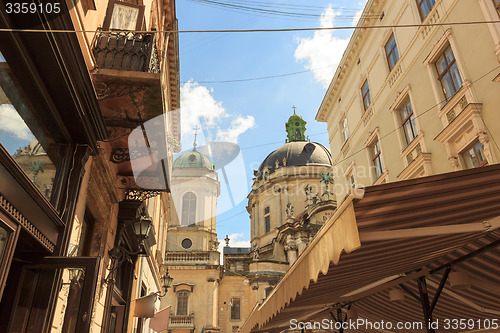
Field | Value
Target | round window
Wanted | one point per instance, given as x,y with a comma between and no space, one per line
192,158
186,243
297,124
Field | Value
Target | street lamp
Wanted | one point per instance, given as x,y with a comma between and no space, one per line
166,282
119,254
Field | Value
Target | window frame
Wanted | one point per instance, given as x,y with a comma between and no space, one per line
344,129
465,155
448,71
367,95
393,51
187,216
420,2
377,157
235,310
410,118
182,296
267,219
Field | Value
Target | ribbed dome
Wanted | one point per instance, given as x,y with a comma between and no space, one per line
193,159
296,153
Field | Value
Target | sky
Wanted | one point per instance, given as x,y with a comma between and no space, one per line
252,113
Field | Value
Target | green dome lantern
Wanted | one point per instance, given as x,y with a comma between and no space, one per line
295,128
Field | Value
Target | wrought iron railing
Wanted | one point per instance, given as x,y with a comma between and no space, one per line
126,51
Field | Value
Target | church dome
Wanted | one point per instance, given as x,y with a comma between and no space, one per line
193,159
296,153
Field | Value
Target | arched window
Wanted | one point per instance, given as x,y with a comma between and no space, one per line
298,135
182,303
188,209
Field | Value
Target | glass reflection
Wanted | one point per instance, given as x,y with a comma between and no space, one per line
21,134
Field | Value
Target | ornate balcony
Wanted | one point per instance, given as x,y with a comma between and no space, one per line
128,85
182,321
126,51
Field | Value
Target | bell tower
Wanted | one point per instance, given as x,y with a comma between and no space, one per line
295,128
194,189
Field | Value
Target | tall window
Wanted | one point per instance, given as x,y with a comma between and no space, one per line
365,92
188,209
474,156
344,130
267,218
352,180
408,122
449,75
424,7
182,303
235,308
268,291
377,159
391,52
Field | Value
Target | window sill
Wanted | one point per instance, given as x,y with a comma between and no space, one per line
381,178
412,144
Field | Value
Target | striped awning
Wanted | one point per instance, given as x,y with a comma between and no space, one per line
409,230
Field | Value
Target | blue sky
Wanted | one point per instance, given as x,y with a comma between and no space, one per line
253,113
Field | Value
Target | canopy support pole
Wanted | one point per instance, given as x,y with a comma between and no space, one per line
439,289
424,300
339,319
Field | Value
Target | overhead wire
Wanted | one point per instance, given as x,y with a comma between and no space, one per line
280,13
375,27
264,77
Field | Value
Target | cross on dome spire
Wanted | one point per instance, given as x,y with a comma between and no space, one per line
196,128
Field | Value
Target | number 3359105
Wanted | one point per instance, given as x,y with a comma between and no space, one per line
32,8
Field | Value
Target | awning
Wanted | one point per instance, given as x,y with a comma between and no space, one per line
160,320
338,235
409,230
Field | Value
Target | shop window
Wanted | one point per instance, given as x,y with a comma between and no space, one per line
182,303
424,7
23,136
188,208
365,92
376,156
267,218
448,73
473,156
408,124
344,130
391,52
235,308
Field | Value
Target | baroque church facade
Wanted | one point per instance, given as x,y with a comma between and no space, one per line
289,201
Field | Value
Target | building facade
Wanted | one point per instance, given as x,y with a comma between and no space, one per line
414,101
289,201
83,217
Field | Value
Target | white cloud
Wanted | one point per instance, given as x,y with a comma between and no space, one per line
323,50
238,126
12,123
197,103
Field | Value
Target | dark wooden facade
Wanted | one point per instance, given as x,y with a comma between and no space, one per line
72,117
